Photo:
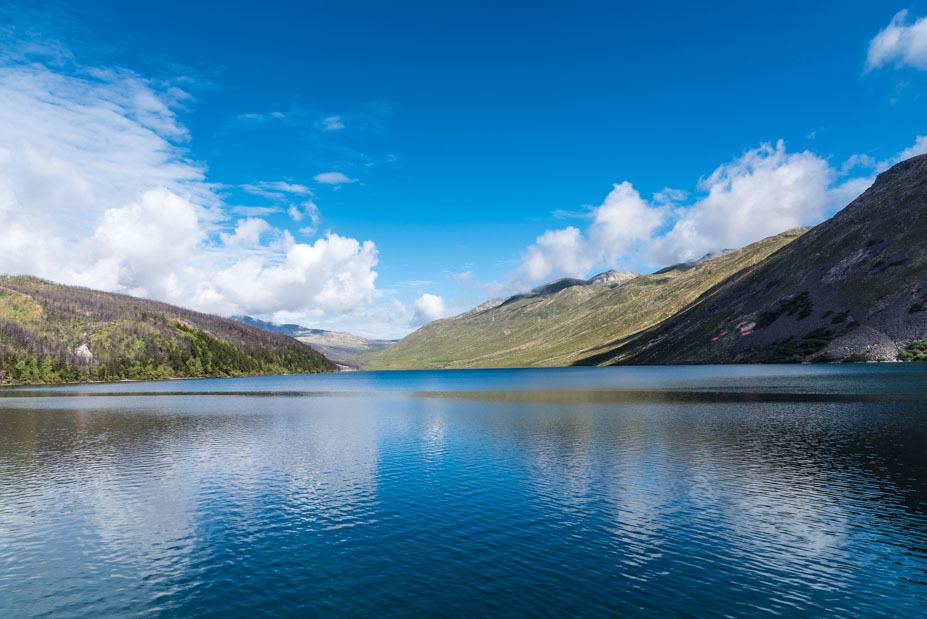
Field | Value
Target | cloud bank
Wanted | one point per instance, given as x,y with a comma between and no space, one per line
763,192
96,189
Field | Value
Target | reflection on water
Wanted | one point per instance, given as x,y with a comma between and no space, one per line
584,491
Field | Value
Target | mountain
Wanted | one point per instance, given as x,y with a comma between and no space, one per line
51,333
853,288
338,346
567,320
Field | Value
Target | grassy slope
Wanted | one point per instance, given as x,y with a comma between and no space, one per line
853,288
46,330
561,328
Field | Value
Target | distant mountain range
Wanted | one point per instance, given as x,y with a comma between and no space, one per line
51,333
853,288
338,346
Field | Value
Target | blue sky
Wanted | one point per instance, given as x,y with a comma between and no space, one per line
370,166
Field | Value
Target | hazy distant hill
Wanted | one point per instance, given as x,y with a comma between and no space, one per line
52,333
853,288
564,321
336,345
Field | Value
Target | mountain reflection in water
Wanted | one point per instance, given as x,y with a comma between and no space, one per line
581,491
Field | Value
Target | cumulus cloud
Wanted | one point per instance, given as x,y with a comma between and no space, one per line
97,189
333,276
561,252
247,233
763,192
333,178
619,225
428,307
901,43
622,222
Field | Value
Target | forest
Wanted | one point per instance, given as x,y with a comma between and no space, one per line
51,333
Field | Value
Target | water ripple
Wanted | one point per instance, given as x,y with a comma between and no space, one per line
688,500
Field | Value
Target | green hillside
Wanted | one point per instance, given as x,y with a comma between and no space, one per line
854,288
559,325
51,333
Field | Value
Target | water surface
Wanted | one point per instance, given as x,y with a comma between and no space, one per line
744,490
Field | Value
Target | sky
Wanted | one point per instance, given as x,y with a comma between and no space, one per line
372,166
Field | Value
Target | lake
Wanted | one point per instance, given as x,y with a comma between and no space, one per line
743,490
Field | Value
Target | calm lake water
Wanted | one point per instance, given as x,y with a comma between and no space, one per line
742,490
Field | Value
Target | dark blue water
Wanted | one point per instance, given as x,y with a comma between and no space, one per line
685,490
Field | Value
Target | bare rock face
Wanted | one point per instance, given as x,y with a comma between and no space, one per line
83,353
612,277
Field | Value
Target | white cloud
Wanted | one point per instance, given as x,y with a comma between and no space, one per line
918,148
857,161
428,307
764,192
255,211
899,43
247,233
96,189
275,188
867,162
334,178
332,123
556,253
307,210
623,221
260,118
619,225
332,276
669,195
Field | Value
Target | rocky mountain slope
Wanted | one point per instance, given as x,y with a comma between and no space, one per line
566,320
51,333
338,346
853,288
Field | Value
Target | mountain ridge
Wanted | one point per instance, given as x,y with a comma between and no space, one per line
52,333
852,288
554,326
339,346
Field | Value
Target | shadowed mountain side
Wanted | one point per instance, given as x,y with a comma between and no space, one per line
51,333
567,320
853,288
